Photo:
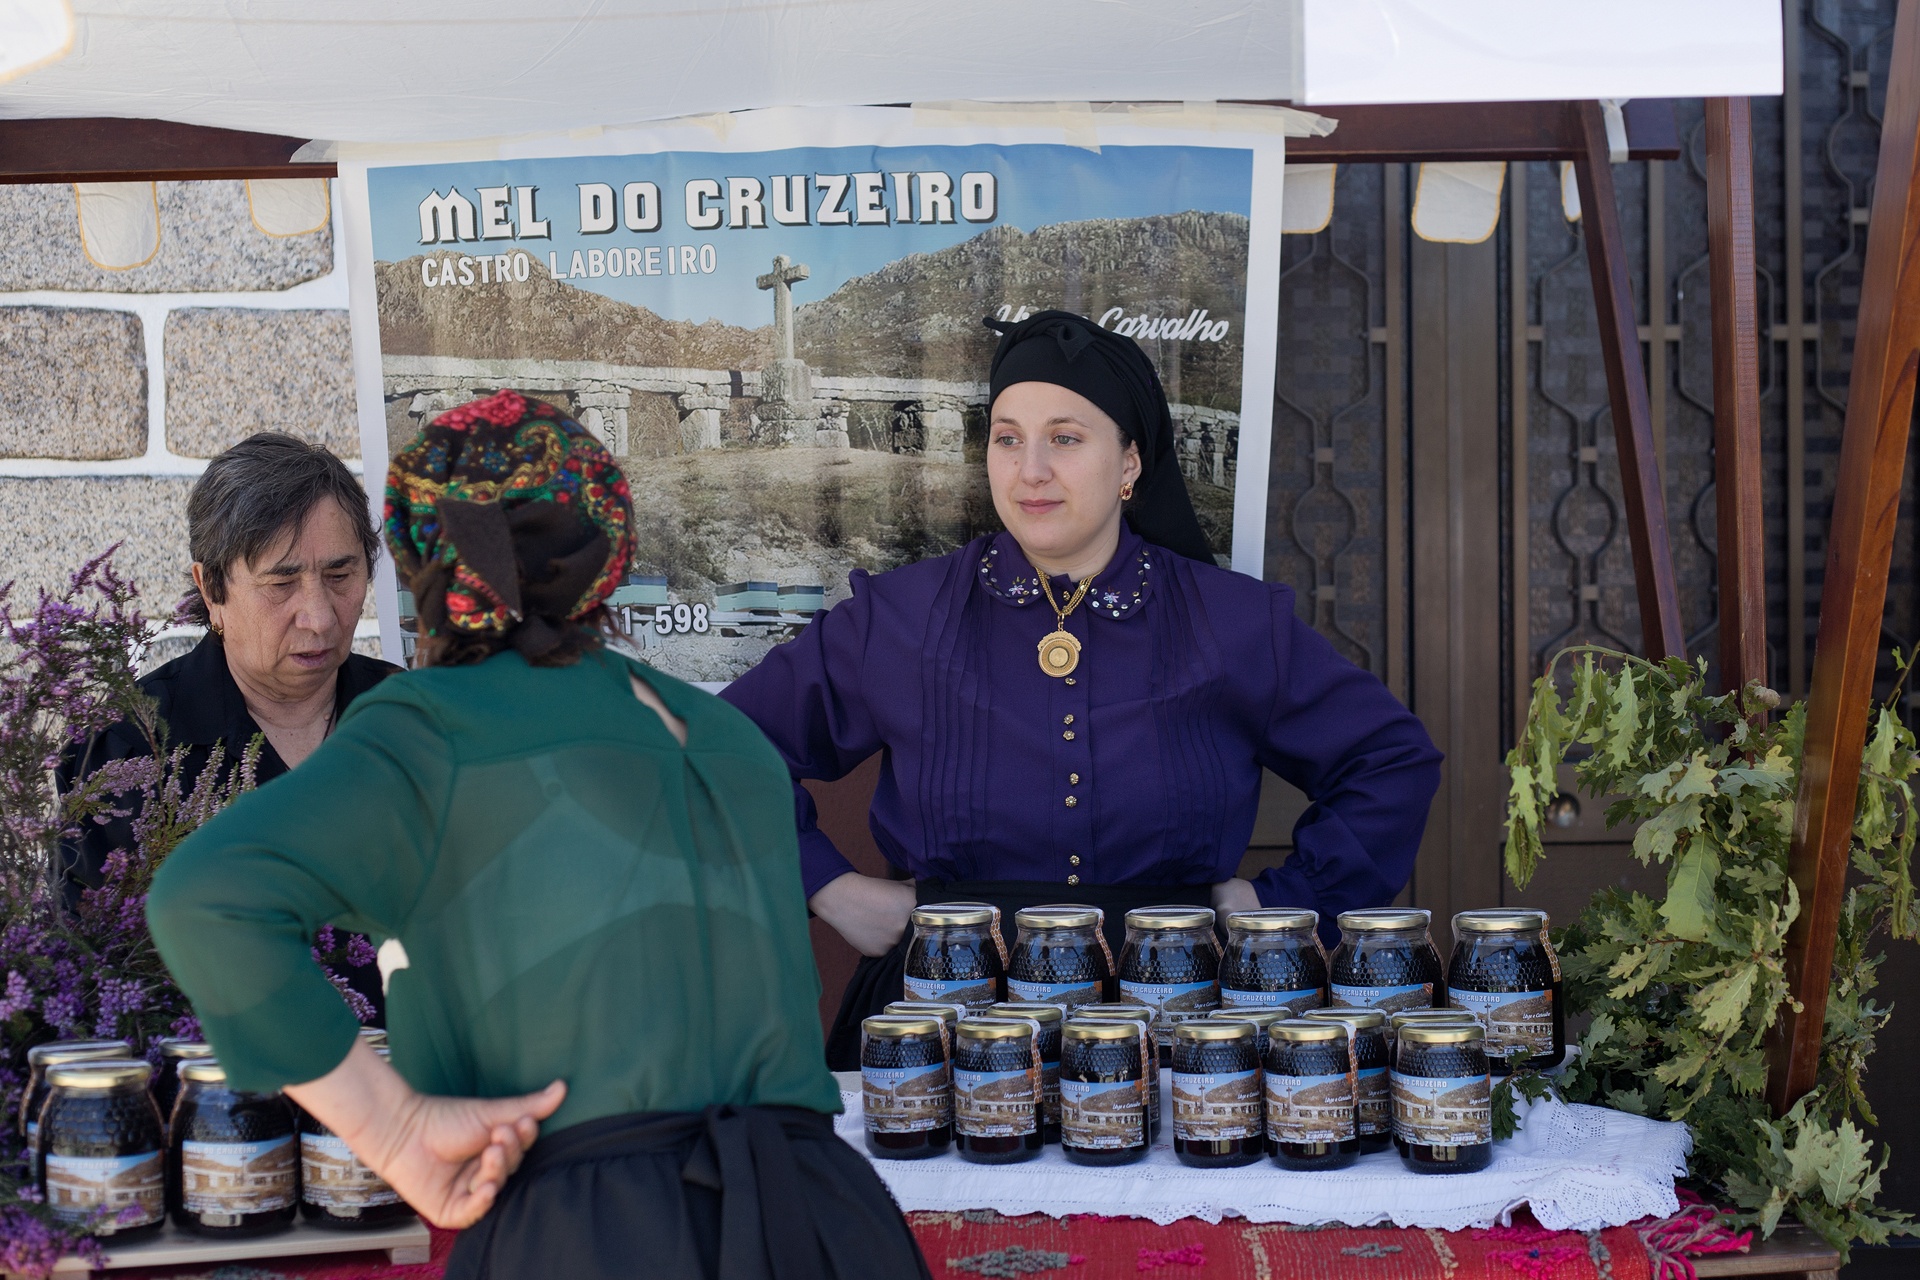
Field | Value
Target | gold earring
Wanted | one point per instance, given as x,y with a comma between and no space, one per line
1126,491
217,629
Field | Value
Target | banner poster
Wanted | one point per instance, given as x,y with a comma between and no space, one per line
773,320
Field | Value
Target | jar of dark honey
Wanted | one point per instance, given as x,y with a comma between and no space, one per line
1050,1017
1103,1091
906,1086
174,1050
337,1190
1144,1016
1442,1097
56,1053
1504,971
100,1147
1171,965
946,1014
1273,960
1059,957
997,1102
1386,961
233,1162
1372,1095
955,955
1261,1018
1311,1117
1218,1119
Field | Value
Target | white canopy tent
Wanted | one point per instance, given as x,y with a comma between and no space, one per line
381,71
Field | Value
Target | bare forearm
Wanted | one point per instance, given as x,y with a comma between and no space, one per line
364,1101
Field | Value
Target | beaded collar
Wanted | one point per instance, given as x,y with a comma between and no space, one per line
1120,590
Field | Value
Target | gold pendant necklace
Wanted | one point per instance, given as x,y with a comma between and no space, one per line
1059,649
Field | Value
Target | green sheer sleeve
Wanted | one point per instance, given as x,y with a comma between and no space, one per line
346,839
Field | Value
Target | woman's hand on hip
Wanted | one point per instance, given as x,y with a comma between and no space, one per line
1234,895
870,913
447,1157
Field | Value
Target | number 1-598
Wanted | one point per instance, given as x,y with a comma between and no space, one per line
679,619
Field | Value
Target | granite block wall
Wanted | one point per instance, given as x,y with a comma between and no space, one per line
117,384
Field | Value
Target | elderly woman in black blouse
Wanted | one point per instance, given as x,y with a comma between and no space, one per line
283,546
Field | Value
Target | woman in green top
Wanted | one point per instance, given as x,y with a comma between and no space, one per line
588,874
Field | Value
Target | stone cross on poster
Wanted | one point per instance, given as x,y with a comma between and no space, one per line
784,275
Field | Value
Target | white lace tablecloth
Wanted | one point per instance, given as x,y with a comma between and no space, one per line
1579,1168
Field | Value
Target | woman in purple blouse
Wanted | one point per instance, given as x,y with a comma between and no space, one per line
1079,709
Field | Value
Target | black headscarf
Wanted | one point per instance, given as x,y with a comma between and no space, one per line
1112,371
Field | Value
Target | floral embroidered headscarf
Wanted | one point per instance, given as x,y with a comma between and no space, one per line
465,507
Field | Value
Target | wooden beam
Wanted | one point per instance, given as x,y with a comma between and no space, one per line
1646,503
105,149
1736,393
1381,133
1866,506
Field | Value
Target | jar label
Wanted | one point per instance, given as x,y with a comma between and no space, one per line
1515,1020
1102,1116
1409,995
995,1104
1443,1111
974,993
906,1099
1172,1003
134,1186
1310,1108
1211,1106
1373,1101
1295,1002
1067,994
238,1177
332,1177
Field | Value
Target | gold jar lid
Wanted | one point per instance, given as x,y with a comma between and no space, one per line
896,1026
1101,1029
1038,1010
1442,1033
100,1073
1155,918
1275,920
1207,1031
925,1009
46,1055
991,1028
374,1035
1385,920
1257,1016
1063,915
1407,1016
1114,1009
953,915
179,1049
1306,1031
1365,1019
1501,920
203,1071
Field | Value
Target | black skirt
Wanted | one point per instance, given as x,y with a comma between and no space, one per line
880,980
731,1193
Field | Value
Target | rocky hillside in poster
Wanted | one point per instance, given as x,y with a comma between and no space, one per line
918,317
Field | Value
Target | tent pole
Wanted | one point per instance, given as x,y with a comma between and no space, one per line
1736,393
1627,390
1866,504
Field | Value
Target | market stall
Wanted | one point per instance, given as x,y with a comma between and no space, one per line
1386,82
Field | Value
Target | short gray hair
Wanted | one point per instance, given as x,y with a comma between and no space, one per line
256,493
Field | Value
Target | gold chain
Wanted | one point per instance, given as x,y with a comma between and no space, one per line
1060,615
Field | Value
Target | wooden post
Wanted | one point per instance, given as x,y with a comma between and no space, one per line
1736,393
1866,504
1660,634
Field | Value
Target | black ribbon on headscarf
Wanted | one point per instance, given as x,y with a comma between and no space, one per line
1112,371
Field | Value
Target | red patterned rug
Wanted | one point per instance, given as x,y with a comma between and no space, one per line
984,1245
978,1245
